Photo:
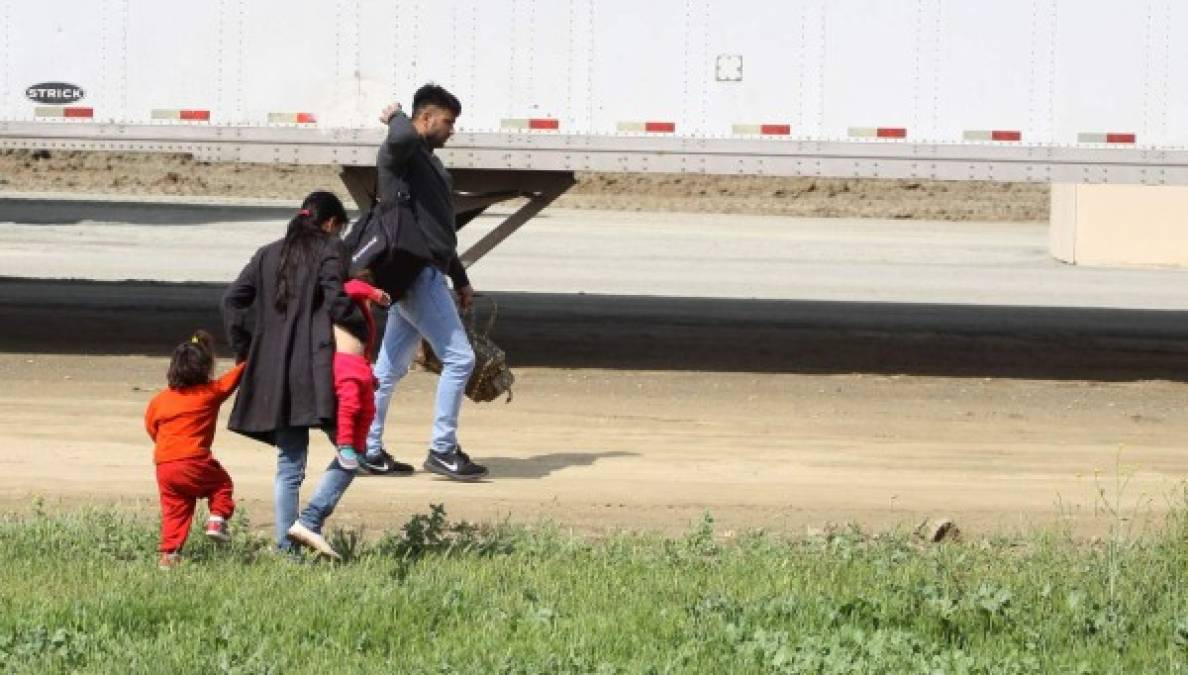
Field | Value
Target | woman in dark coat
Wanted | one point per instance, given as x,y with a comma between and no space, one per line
278,316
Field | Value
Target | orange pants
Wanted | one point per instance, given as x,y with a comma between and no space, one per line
182,483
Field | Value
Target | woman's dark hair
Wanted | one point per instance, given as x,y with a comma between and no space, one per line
192,362
304,236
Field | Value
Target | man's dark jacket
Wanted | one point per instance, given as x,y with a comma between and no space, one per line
405,160
289,379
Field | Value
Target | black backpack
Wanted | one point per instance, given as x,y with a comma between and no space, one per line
387,242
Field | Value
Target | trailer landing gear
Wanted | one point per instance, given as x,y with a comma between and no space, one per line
474,191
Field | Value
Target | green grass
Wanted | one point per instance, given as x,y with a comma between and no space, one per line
79,592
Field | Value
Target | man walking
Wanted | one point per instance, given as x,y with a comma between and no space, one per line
427,308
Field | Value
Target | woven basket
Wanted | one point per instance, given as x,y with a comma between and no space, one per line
491,377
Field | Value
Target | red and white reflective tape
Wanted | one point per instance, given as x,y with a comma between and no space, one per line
648,127
292,118
993,135
531,123
878,132
763,129
70,112
1106,137
181,115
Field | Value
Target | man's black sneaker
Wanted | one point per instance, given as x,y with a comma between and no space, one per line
385,465
454,464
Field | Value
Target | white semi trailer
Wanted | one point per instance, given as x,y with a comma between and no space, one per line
1074,92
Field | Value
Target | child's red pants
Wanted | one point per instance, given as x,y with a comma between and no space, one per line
355,387
182,483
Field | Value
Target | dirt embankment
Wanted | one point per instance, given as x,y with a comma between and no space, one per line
174,174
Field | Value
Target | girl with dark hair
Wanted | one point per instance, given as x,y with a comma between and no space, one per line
278,316
181,421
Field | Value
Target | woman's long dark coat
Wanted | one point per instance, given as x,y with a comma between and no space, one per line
288,380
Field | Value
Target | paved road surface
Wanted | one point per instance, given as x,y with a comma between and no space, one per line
651,254
650,291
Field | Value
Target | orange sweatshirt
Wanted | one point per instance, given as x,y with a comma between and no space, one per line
182,421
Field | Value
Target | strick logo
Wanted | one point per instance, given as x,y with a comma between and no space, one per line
54,93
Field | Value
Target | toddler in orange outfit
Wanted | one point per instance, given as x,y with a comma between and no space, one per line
181,421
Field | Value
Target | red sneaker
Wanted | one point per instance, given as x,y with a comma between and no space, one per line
216,528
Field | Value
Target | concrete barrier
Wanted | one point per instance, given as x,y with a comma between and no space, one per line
1093,224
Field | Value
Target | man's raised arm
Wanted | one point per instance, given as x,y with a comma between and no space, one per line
402,139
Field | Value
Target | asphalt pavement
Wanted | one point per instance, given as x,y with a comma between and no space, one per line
609,253
621,290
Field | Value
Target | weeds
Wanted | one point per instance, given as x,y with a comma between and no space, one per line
79,593
433,534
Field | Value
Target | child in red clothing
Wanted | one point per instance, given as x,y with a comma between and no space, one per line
354,383
181,421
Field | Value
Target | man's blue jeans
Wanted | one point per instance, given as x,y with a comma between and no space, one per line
428,310
292,444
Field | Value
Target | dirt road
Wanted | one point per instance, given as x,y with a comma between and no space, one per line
696,419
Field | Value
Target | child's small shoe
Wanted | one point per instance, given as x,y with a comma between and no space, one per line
168,561
347,458
216,528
